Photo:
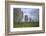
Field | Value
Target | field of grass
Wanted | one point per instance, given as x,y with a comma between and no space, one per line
26,24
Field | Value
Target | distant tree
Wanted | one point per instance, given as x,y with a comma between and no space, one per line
18,14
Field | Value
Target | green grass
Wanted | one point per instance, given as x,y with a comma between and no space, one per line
26,24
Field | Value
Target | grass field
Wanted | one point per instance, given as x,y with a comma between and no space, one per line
26,24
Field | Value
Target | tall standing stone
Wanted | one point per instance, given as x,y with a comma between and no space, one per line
26,18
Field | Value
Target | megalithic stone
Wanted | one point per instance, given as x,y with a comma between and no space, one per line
26,18
30,19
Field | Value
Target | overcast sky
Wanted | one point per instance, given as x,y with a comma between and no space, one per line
33,12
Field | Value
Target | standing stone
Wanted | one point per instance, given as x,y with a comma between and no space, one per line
26,18
30,19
